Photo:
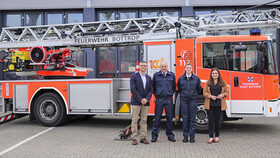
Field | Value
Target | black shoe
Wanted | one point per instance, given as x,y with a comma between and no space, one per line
172,139
192,140
154,140
185,140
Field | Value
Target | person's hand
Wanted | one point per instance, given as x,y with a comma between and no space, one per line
144,101
220,96
213,97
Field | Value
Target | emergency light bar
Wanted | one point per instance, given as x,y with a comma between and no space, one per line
255,32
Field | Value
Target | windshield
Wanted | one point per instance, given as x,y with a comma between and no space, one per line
252,56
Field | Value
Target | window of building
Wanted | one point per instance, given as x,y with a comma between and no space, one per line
105,16
170,13
147,14
54,18
74,17
202,12
13,20
33,18
127,15
226,13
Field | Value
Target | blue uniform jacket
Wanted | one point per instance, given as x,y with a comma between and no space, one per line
164,86
138,91
189,89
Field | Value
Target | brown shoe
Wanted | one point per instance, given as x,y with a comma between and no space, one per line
134,142
144,141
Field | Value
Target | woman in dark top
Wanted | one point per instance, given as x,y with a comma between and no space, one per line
215,91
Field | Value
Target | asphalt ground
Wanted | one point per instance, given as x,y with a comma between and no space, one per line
94,137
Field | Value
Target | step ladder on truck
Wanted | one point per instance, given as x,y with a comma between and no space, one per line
247,62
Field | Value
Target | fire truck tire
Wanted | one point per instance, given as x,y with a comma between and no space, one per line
201,118
50,110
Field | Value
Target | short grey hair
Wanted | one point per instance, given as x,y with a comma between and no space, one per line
163,62
143,62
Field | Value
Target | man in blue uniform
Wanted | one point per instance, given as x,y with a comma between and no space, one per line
189,87
164,86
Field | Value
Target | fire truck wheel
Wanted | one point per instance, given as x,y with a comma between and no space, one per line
201,119
50,110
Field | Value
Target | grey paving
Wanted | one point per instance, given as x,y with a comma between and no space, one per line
94,137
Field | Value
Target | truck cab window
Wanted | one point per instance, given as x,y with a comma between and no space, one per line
245,59
255,57
214,55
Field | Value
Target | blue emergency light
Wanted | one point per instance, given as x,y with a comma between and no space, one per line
255,32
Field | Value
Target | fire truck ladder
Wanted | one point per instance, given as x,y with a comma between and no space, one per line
94,33
237,20
134,31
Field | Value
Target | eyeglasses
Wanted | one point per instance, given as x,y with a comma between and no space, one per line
144,65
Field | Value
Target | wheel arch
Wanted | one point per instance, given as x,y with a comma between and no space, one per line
44,90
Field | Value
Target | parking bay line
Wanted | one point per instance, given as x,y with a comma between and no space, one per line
24,141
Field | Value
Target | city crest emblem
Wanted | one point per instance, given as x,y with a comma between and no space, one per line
250,79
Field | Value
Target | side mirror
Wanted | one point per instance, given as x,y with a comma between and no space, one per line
260,46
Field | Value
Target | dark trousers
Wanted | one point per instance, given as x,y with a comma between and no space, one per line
161,103
214,117
189,111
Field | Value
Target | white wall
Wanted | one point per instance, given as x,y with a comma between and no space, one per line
60,4
41,4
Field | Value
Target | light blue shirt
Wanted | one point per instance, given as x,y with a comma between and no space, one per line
188,77
143,77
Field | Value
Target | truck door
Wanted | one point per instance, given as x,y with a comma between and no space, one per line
246,83
246,93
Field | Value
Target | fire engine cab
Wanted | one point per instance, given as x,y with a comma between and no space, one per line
247,64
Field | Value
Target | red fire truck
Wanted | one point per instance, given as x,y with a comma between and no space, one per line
248,64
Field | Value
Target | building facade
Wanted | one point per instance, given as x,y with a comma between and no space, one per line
109,61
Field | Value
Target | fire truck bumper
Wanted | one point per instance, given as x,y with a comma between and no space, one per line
272,108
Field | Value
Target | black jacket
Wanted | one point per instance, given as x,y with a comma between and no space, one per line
164,86
137,89
189,88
